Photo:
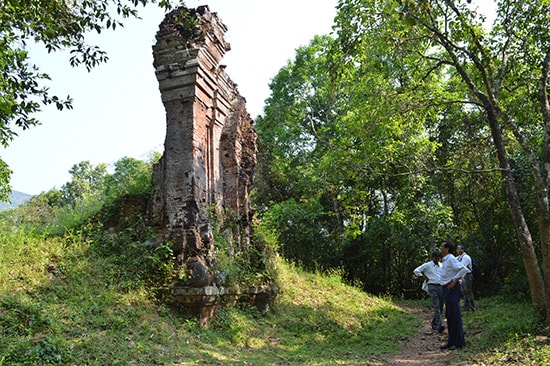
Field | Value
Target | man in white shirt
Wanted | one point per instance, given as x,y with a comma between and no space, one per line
430,272
467,281
451,272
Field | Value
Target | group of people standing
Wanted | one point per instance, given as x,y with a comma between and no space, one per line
445,278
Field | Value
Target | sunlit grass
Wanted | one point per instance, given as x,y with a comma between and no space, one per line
504,333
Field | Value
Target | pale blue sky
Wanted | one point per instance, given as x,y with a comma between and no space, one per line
117,107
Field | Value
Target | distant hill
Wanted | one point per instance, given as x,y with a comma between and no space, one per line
16,199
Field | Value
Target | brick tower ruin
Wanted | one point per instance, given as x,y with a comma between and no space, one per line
210,147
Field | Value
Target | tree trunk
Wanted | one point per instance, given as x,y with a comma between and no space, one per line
544,229
530,261
543,205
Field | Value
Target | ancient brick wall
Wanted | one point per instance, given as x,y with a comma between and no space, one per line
210,147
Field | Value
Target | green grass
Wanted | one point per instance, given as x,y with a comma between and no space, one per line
75,301
504,333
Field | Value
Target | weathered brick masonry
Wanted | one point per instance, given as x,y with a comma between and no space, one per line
210,147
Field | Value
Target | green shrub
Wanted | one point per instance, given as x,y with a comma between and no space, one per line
243,264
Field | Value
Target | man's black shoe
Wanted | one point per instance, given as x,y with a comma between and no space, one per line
450,348
441,329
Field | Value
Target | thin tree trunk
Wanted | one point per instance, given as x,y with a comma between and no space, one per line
529,256
544,229
543,206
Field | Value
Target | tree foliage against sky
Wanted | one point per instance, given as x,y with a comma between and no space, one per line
55,25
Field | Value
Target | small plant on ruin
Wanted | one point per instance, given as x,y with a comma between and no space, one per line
241,265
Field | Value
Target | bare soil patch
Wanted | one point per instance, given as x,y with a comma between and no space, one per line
422,348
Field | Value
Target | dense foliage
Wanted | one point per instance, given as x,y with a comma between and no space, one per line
375,147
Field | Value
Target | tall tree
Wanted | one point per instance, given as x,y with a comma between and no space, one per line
336,156
294,136
503,74
55,25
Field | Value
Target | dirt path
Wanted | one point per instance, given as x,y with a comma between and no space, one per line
423,348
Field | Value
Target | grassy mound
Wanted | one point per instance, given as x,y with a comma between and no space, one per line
74,301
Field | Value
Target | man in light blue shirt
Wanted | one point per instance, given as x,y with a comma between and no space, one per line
449,276
430,272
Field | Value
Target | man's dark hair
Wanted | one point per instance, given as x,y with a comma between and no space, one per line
436,255
449,245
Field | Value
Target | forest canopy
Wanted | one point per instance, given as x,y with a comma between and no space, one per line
415,122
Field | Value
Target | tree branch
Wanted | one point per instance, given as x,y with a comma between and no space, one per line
435,170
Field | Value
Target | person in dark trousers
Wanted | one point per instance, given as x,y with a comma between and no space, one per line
467,282
430,272
451,272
